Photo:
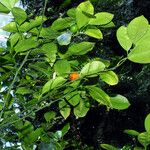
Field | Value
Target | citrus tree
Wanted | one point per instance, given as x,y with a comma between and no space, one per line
48,75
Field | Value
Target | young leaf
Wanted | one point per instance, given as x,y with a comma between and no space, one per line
144,138
72,12
26,44
109,77
99,95
147,123
123,38
80,48
62,67
131,132
64,109
65,129
19,15
140,53
94,32
14,39
92,69
101,18
49,116
62,23
119,102
137,28
10,27
53,83
81,18
108,147
81,109
4,9
23,90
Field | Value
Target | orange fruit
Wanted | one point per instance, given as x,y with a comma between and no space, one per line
74,76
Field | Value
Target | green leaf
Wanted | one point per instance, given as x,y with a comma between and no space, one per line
147,123
64,109
14,39
10,27
140,53
108,147
62,67
49,116
50,50
65,129
73,98
137,28
99,95
72,12
9,3
101,18
81,109
94,32
53,83
119,102
144,138
62,23
32,23
92,69
49,33
23,90
19,15
4,9
109,77
80,48
26,44
131,132
81,18
123,38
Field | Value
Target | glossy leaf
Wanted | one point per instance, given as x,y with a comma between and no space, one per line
9,3
101,18
49,116
94,32
108,147
53,83
62,67
137,28
109,77
73,98
64,109
80,48
62,23
92,69
123,38
131,132
10,27
26,44
81,109
147,123
65,129
99,95
119,102
19,15
144,138
72,12
4,9
23,90
81,18
140,53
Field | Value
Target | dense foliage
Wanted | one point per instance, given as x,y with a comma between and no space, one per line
50,77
